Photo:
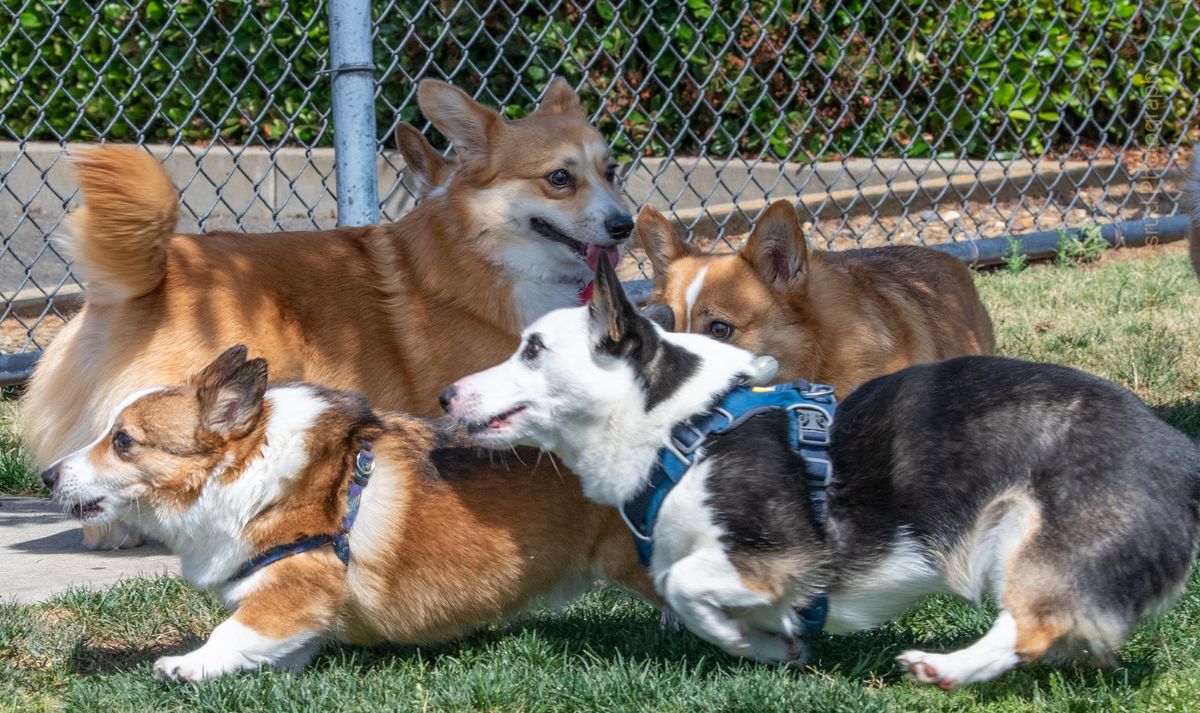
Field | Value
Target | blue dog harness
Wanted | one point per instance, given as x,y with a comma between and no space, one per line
810,408
364,465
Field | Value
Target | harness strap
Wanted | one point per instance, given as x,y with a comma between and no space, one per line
810,409
364,465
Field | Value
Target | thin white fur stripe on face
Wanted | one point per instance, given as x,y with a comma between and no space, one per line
693,293
112,419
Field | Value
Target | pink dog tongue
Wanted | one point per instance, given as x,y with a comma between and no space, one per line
593,255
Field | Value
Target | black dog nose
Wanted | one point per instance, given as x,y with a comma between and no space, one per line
50,476
660,314
447,396
619,225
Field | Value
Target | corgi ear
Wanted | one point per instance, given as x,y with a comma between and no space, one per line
230,359
469,125
776,248
561,100
427,166
661,244
232,402
613,317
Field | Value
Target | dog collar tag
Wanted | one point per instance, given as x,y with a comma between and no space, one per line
763,371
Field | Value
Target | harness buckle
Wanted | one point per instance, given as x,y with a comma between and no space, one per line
686,439
364,463
812,424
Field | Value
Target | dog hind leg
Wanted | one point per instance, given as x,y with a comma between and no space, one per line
987,658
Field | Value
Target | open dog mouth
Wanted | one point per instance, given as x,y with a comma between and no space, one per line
588,252
87,510
497,422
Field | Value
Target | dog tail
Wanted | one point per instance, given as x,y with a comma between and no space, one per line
118,239
1191,203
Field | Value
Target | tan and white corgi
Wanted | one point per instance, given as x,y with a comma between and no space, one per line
397,311
836,318
225,469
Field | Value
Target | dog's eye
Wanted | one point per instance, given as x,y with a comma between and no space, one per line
533,347
611,173
559,178
721,330
122,441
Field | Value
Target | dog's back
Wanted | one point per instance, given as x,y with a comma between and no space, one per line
1083,500
922,302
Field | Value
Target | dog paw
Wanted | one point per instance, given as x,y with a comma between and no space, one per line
923,668
183,669
112,536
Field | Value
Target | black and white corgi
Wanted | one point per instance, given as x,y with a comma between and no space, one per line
1058,494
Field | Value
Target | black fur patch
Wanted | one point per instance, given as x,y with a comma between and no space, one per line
661,367
757,488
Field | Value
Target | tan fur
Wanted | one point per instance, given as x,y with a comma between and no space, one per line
133,208
774,575
839,318
426,165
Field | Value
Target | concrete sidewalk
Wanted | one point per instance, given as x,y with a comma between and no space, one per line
41,554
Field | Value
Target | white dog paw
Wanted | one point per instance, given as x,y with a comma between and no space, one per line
112,536
184,669
923,668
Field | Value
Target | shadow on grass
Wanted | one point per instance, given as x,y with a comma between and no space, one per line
93,659
635,636
1184,415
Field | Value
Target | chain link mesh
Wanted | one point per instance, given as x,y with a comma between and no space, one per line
892,121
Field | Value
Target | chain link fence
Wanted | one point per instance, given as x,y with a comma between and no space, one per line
889,121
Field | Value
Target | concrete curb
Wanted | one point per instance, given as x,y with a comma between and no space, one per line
41,555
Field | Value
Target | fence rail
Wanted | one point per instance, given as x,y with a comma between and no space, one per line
890,121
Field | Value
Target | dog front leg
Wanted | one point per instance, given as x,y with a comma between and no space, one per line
234,646
279,622
703,589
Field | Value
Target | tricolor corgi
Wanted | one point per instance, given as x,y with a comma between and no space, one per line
1057,494
508,232
837,318
314,517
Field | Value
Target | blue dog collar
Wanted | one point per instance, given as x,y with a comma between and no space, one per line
364,465
810,408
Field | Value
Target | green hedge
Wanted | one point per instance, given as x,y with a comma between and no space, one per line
793,79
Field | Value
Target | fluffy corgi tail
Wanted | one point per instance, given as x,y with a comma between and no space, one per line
1191,203
118,239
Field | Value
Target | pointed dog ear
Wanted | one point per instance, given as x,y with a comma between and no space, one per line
231,402
613,316
776,248
561,100
218,368
427,166
661,244
469,125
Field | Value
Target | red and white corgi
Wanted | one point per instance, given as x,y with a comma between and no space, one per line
446,538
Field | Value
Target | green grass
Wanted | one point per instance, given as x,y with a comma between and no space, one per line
16,472
1136,321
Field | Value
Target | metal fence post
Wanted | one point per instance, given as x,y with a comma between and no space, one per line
353,111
